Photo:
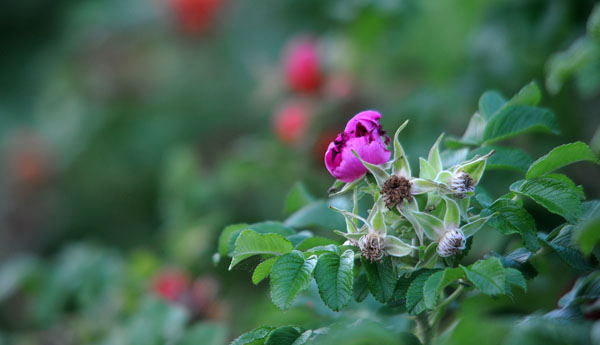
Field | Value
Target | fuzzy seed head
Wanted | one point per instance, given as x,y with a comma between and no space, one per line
371,246
452,243
462,183
395,190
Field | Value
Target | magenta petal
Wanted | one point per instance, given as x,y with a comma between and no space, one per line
368,119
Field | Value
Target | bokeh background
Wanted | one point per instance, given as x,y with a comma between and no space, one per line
133,131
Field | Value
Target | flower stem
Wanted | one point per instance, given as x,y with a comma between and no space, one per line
423,330
437,315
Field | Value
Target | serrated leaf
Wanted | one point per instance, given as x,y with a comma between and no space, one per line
519,259
289,276
559,157
381,278
487,275
285,335
296,239
516,119
505,158
361,287
253,337
490,102
251,243
437,282
565,249
473,135
263,270
512,218
554,193
415,298
334,277
400,290
304,338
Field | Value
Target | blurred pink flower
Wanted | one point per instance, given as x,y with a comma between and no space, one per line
195,16
171,284
291,121
364,135
302,67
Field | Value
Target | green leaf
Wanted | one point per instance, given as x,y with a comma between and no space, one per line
285,335
208,333
434,156
289,276
512,218
514,277
554,192
297,198
437,282
516,119
226,240
473,135
588,234
489,103
559,157
563,246
316,241
316,215
256,336
402,285
505,158
334,277
519,259
400,165
381,278
529,94
415,298
251,243
361,287
263,270
487,275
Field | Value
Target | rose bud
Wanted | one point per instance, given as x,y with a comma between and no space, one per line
195,16
291,121
302,69
171,284
364,135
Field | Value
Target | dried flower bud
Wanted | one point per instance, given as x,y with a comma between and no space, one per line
462,183
371,246
453,242
395,190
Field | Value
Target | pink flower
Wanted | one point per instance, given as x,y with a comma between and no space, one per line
364,135
291,121
171,284
302,68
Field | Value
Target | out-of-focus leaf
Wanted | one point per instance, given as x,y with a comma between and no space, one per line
285,335
13,273
437,282
489,103
297,198
566,250
505,158
361,287
587,233
205,333
519,259
415,298
315,241
317,214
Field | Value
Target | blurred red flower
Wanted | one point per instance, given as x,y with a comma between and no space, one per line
291,121
195,16
302,66
171,284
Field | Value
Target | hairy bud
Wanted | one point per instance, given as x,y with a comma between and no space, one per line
371,246
462,183
452,243
395,190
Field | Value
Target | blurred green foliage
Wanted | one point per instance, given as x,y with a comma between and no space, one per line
129,141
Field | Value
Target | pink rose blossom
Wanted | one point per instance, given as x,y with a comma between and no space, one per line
364,135
302,67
